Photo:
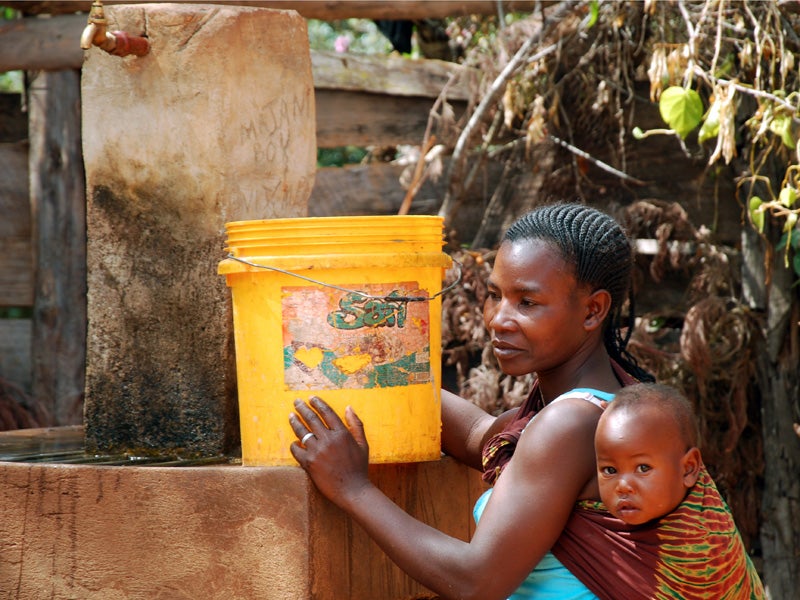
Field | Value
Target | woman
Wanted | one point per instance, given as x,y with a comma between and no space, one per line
560,278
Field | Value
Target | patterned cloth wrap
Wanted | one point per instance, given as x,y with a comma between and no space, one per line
693,553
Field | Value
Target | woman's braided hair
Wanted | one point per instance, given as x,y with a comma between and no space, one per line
601,252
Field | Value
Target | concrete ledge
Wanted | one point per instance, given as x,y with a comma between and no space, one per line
223,532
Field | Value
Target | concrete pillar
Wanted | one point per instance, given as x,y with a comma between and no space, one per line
215,124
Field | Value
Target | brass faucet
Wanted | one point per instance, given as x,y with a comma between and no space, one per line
117,43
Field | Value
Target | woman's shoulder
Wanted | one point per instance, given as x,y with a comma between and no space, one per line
558,445
568,415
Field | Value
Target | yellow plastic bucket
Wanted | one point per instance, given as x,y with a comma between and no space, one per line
344,308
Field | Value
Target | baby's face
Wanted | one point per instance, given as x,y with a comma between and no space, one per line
640,464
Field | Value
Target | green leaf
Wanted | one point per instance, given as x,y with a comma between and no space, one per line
681,109
781,125
594,13
725,68
787,196
796,263
796,239
785,237
791,221
788,139
710,127
756,215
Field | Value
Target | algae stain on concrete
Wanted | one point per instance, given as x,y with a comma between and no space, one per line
158,374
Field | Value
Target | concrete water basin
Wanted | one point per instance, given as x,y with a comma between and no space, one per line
73,530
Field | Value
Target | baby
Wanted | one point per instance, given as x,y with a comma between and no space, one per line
673,535
647,455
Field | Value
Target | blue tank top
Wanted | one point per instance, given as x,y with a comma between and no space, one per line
550,579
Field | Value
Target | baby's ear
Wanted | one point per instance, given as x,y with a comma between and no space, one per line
691,462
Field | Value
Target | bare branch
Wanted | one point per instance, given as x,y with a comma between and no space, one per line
488,100
598,163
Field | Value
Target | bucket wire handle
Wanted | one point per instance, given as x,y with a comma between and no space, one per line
362,294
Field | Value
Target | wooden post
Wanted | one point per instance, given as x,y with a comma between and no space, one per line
16,272
778,382
58,211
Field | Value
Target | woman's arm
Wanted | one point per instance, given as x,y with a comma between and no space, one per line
527,511
466,427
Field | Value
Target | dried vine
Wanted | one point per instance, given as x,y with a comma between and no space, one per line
740,59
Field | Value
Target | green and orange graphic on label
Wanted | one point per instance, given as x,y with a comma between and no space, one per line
334,339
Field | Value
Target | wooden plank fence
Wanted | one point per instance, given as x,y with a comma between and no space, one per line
16,254
360,100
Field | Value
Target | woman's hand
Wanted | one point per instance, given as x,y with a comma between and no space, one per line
334,455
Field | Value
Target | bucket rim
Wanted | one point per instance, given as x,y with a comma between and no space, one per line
323,221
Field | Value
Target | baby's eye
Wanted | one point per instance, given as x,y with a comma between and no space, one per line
643,468
608,470
527,302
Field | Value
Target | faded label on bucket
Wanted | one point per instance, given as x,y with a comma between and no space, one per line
334,339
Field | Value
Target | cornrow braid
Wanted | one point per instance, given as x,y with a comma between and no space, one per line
601,252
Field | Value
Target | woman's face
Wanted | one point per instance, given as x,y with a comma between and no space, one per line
535,309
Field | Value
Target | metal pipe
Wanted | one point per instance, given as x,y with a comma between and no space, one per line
117,43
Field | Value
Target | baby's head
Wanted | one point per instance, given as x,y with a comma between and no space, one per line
647,456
